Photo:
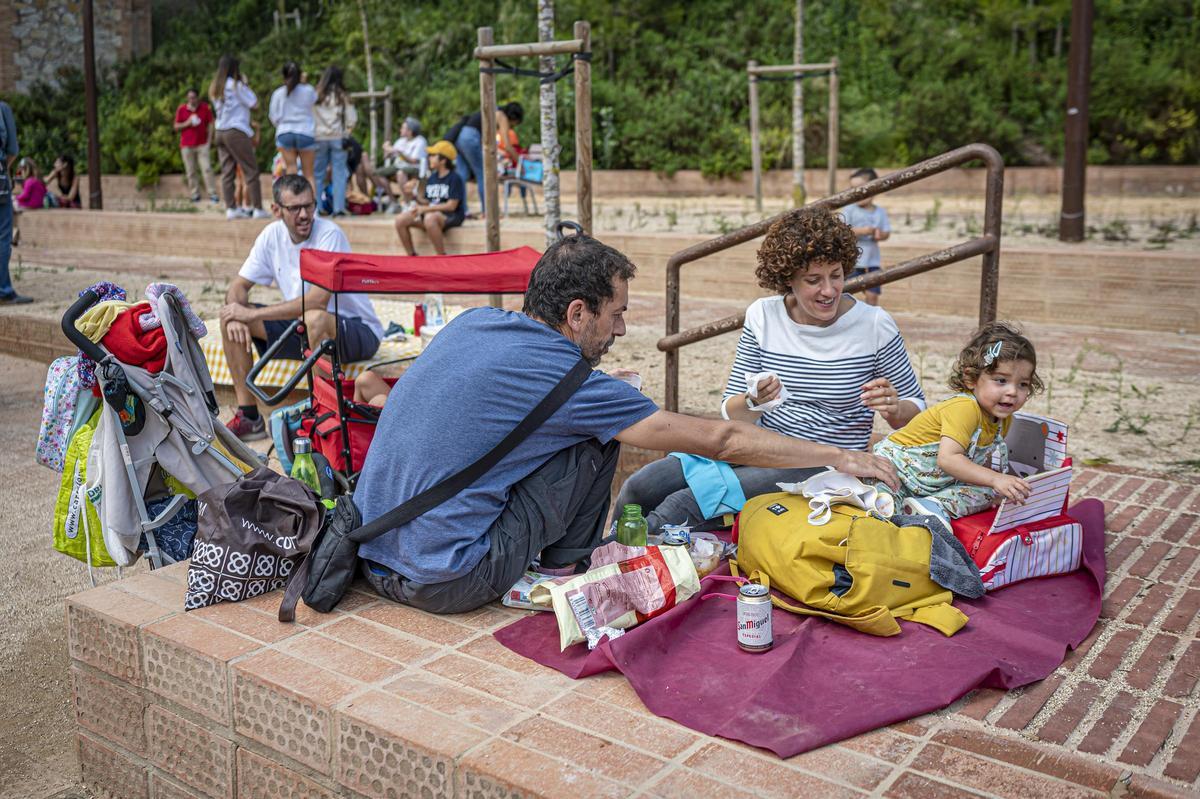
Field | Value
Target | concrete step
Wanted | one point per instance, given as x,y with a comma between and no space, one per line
1119,289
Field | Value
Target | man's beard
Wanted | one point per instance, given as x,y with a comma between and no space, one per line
594,359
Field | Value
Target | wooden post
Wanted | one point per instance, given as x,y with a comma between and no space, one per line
551,151
487,121
799,190
833,127
387,115
583,128
1072,219
755,144
95,193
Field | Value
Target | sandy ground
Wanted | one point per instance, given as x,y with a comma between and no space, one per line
37,727
1125,223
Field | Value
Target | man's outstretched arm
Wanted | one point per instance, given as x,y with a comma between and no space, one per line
749,445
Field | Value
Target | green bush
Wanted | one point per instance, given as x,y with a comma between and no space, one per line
669,81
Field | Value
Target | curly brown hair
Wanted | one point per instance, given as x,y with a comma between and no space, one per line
1013,347
799,239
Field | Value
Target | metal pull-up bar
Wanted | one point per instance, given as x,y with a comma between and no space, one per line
487,53
755,73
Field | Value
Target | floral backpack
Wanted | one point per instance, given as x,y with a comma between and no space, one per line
65,409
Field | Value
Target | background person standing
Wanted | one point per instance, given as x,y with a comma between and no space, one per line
871,226
194,122
234,100
8,155
335,118
291,112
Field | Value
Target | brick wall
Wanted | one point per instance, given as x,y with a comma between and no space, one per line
41,38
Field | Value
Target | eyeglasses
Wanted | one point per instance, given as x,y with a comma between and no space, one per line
296,209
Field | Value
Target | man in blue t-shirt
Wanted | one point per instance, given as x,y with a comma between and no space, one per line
549,497
871,225
443,206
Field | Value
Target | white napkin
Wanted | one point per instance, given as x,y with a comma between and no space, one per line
752,379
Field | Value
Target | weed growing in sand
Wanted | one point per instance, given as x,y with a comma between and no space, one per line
210,284
724,224
972,226
672,218
931,216
1116,230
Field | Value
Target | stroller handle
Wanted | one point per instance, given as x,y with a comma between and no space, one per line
274,399
77,309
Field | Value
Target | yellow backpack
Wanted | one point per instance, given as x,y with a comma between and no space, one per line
856,569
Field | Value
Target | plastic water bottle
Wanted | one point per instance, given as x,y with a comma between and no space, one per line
631,529
303,467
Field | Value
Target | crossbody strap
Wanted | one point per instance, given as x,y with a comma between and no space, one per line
430,498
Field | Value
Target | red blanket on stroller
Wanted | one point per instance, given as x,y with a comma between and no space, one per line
823,682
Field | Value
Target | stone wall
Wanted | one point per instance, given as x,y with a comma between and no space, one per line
39,39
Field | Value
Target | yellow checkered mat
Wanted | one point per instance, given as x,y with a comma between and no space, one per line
277,372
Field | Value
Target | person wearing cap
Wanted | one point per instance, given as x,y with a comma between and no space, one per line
442,205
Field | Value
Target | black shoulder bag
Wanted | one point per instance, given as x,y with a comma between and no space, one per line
330,566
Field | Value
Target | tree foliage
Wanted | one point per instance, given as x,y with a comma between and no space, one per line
669,86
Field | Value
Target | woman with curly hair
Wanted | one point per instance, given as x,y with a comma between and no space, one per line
812,363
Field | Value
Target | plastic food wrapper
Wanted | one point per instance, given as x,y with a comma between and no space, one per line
625,587
752,380
705,550
520,595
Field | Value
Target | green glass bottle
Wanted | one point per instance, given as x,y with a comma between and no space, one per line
303,468
631,529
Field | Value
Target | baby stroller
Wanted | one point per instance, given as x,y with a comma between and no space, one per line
340,428
154,428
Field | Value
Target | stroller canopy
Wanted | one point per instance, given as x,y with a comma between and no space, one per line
503,272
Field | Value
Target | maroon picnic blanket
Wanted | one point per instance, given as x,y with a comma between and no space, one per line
823,682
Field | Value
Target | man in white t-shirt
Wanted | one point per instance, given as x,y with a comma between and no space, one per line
274,260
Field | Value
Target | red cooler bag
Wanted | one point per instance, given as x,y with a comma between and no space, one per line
1038,549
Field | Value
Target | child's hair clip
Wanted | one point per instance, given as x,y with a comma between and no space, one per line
992,353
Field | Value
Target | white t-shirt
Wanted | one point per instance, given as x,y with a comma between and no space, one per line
293,113
274,260
233,108
416,147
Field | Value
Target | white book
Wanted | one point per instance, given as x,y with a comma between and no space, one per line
1045,501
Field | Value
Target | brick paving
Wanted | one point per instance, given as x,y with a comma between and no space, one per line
378,700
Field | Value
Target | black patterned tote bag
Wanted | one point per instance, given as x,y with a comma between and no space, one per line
250,537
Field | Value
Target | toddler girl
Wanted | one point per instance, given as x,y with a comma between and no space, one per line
943,456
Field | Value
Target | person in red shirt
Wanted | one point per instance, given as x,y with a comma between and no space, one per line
194,121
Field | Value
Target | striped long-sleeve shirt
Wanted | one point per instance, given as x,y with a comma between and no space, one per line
824,370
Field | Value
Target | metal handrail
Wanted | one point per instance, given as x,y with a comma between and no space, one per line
987,245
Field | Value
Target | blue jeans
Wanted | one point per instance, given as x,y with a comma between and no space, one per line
332,149
6,224
470,160
663,494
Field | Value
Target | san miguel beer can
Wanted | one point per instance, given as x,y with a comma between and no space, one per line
754,618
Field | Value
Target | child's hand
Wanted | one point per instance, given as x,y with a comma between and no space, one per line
1013,488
